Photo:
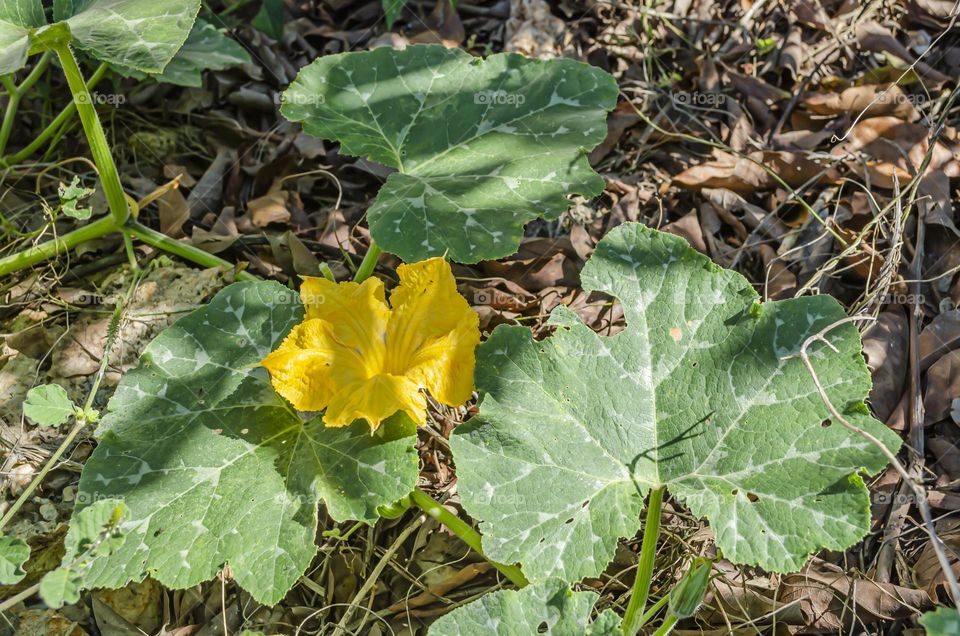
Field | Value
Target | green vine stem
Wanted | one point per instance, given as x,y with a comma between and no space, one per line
178,248
368,263
462,529
648,551
99,148
667,626
652,611
15,93
56,247
58,122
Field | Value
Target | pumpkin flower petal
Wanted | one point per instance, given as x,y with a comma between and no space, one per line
357,311
358,358
300,368
432,333
376,399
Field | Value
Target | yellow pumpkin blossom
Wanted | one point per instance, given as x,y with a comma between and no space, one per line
360,358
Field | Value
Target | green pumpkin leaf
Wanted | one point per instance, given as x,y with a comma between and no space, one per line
17,19
548,607
14,553
699,394
215,467
140,34
481,147
48,405
207,48
944,621
95,532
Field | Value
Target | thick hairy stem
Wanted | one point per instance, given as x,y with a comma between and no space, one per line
99,148
56,247
648,552
183,250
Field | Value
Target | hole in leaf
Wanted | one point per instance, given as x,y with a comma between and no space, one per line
734,492
752,497
568,521
542,627
825,423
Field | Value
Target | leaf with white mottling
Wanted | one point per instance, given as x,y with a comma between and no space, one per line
206,49
17,19
481,147
215,467
140,34
548,608
701,393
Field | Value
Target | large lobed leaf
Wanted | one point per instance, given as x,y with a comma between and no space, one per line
215,468
206,48
548,607
700,393
17,19
139,34
481,147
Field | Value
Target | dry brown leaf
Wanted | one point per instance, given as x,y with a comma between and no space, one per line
538,264
779,281
936,14
442,26
622,118
939,337
863,101
943,386
437,590
139,604
878,39
750,86
929,574
270,208
828,598
222,235
46,622
885,346
533,30
688,226
174,212
745,175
